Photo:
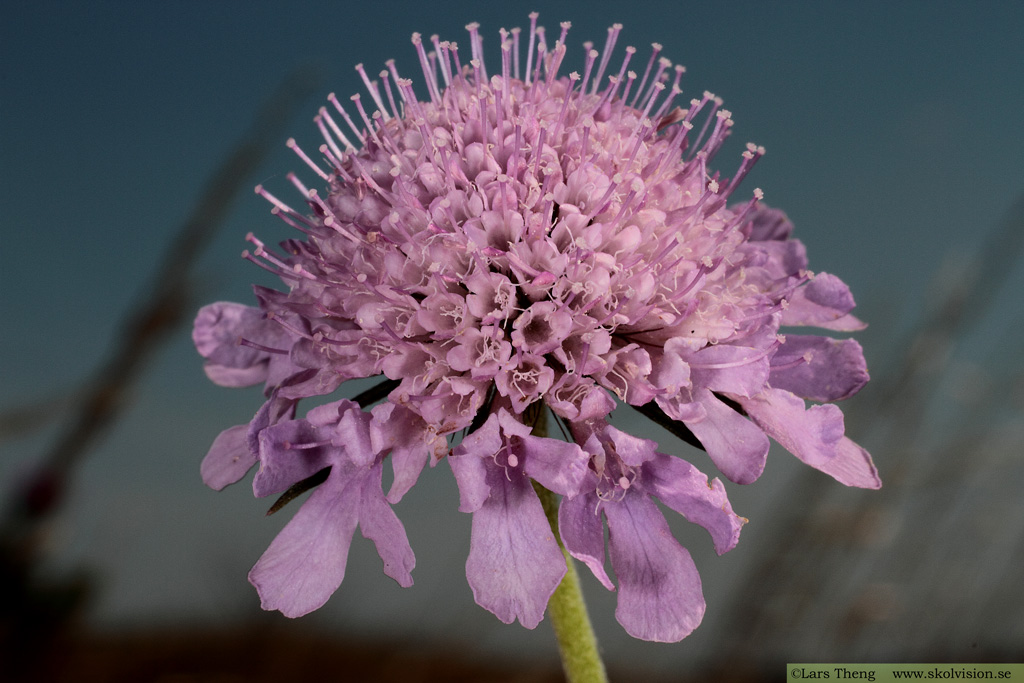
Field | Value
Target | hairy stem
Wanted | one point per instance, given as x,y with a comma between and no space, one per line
576,641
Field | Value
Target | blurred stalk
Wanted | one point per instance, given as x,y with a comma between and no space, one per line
31,612
846,577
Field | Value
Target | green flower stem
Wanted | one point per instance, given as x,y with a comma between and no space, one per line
576,641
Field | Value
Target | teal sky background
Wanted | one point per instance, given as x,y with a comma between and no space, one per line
894,142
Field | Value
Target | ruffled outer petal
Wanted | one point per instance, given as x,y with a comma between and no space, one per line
305,564
660,595
825,302
557,465
853,466
469,463
514,562
814,435
810,434
582,530
281,465
404,433
633,450
767,223
228,459
685,489
379,523
819,368
732,369
216,333
737,447
274,410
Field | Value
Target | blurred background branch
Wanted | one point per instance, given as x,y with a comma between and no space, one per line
927,568
887,155
32,611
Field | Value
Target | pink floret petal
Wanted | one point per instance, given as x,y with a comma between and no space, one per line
514,562
660,594
814,435
228,459
506,243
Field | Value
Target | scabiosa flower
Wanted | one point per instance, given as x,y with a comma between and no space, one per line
517,242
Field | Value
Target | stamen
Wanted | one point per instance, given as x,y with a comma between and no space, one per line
587,67
529,51
663,64
337,131
442,53
738,363
609,45
319,121
647,72
630,79
476,50
371,86
370,128
333,99
309,162
428,73
384,77
289,446
274,200
515,52
242,341
614,81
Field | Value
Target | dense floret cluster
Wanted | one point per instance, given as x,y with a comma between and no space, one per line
514,242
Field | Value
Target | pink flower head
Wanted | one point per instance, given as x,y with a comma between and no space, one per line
515,239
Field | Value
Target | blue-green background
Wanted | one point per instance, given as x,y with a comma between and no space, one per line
894,141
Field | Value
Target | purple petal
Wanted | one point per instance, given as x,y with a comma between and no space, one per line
767,223
311,383
669,370
737,447
284,461
846,323
685,489
305,564
682,407
824,301
379,523
579,523
852,466
737,370
403,433
353,433
660,596
557,465
811,434
329,414
273,410
541,328
226,376
819,368
217,332
579,399
228,459
633,450
469,463
781,259
217,329
514,562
